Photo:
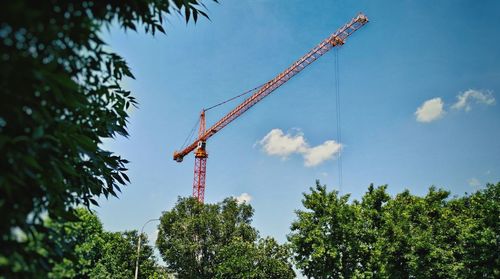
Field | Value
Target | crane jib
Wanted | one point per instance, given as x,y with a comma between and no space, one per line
336,39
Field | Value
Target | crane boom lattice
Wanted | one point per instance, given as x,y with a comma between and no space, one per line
336,39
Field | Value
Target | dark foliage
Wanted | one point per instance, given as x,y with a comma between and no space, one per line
60,96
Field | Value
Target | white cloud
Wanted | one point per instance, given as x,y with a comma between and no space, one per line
474,182
465,99
280,144
433,109
430,110
318,154
277,143
243,198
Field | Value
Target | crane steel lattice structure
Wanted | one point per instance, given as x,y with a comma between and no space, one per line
199,145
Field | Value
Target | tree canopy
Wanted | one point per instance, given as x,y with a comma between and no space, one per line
61,95
101,254
217,241
406,236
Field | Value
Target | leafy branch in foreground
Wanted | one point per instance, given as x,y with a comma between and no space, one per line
61,95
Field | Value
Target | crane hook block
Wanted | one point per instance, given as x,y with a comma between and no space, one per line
337,41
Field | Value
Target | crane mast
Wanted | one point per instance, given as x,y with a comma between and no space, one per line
336,39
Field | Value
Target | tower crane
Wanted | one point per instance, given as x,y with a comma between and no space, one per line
199,145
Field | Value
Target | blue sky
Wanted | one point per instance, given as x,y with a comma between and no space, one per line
413,54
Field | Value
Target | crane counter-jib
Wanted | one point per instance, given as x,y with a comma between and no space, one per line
337,38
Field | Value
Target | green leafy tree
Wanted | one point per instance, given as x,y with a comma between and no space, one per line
273,259
480,232
85,239
102,254
369,228
119,256
266,259
61,95
420,237
217,241
324,235
407,236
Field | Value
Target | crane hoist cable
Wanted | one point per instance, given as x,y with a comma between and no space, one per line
338,115
199,145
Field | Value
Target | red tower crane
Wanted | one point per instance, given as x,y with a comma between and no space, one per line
199,145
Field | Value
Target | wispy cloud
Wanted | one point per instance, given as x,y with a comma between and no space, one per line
474,182
243,198
430,110
277,143
434,109
465,99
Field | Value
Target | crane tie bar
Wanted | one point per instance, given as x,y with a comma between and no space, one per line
235,97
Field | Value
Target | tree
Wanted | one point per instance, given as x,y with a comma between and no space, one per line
407,236
480,232
420,237
370,225
264,259
217,241
324,235
61,95
102,254
84,238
